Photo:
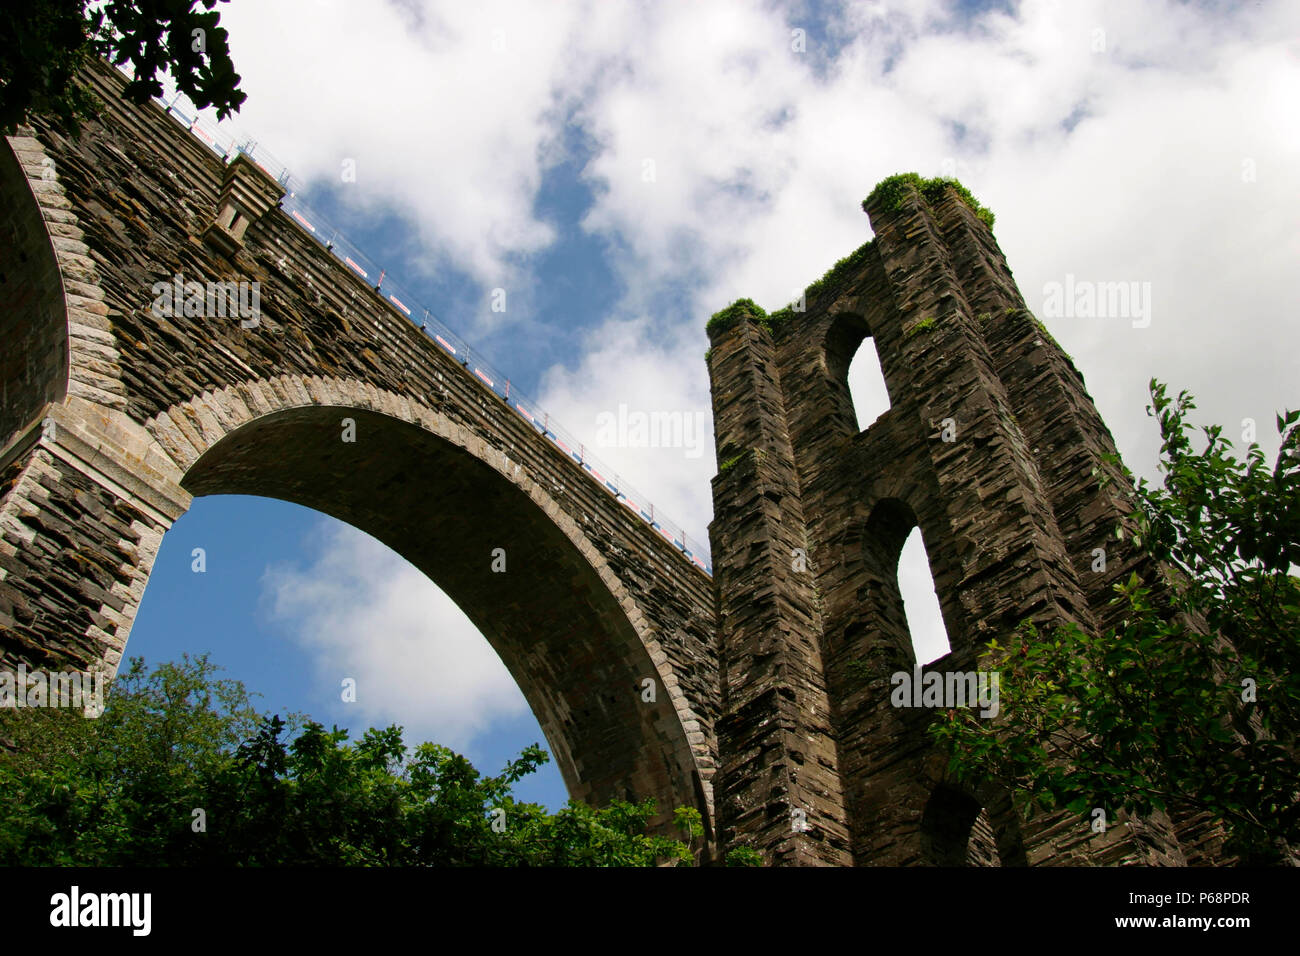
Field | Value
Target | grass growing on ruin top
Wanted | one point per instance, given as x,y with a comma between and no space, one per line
837,272
891,192
747,308
739,310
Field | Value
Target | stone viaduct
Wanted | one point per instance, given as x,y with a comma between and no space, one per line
772,701
114,418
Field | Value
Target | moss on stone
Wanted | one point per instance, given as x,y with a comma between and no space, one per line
745,309
731,463
836,273
925,325
777,319
1051,338
738,311
890,193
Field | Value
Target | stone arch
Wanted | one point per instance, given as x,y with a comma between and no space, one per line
821,355
55,330
34,362
886,530
884,749
961,827
900,503
840,343
949,832
842,350
581,668
75,605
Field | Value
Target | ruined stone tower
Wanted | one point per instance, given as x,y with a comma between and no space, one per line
993,448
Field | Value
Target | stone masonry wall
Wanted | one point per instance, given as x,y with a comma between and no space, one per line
781,764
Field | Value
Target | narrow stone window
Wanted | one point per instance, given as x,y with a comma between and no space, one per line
920,602
867,385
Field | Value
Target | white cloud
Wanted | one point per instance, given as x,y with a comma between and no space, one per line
445,113
625,363
361,611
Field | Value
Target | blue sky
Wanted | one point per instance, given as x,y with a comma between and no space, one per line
623,170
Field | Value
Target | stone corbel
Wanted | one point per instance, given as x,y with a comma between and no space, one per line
247,193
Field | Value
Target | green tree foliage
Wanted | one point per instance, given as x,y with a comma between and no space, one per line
124,790
1190,705
44,45
744,856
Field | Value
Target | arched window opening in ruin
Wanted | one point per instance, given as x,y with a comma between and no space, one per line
867,384
920,602
956,831
858,392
